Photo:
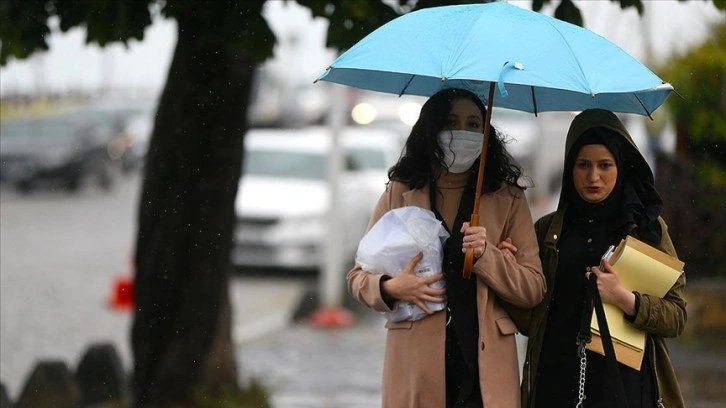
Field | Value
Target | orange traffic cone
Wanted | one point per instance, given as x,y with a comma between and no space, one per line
122,291
122,294
332,317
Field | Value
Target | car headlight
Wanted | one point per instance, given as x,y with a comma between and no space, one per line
409,112
300,229
364,113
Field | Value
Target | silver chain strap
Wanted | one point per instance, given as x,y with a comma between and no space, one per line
583,367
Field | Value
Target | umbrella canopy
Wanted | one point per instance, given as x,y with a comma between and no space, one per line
539,63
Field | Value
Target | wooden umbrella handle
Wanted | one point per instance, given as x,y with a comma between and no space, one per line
469,255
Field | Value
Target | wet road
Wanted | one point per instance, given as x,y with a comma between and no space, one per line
59,256
308,367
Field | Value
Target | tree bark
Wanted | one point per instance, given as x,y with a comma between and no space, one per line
186,220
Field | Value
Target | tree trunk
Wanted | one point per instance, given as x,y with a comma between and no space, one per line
181,327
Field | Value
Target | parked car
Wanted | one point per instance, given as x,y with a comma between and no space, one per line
71,146
55,151
283,200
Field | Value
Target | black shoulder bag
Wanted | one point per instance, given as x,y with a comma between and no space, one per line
592,298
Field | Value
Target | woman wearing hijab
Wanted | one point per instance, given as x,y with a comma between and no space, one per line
607,194
464,355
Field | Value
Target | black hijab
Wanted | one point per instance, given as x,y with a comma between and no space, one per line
634,203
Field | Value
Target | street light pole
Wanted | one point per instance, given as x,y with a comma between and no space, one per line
331,312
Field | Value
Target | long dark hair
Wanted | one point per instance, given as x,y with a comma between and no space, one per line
416,168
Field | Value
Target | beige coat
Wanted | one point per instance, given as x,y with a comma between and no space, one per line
414,368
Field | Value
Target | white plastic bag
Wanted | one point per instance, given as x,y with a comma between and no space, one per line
396,238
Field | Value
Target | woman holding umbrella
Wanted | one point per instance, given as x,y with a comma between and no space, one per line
607,194
465,355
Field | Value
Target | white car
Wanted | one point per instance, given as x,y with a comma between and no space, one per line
283,199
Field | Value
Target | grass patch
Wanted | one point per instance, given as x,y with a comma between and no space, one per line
255,395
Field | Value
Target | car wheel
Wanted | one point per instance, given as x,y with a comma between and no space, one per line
72,184
25,186
106,178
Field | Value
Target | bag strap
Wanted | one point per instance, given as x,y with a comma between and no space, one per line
584,336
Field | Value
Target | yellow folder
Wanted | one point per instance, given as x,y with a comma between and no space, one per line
640,268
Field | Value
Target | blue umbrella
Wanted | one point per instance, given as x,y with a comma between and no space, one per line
538,64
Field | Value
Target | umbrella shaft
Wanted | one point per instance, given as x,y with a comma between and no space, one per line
469,258
483,159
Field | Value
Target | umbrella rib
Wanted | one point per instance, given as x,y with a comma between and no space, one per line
407,84
643,106
534,101
574,56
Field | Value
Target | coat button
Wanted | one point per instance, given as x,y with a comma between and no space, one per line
482,345
554,236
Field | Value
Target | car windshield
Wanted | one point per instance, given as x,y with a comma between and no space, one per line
285,164
366,158
46,132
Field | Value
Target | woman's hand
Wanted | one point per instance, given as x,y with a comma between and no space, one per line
508,249
610,288
475,238
409,287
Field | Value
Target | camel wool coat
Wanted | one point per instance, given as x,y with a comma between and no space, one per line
414,362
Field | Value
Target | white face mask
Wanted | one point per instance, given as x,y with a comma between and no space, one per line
461,148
